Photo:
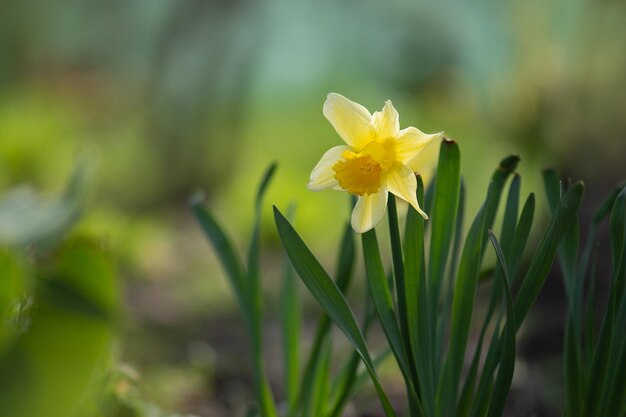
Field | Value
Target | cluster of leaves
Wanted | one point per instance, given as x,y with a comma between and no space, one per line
425,308
57,300
594,359
425,303
427,320
313,392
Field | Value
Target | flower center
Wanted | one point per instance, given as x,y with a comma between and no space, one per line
362,173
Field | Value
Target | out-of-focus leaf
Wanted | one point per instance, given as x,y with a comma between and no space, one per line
542,261
13,284
51,369
26,218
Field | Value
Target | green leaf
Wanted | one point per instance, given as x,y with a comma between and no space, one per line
507,362
462,306
29,220
290,316
381,295
52,368
509,239
348,379
522,231
328,295
417,303
400,285
322,379
246,285
345,265
14,283
572,372
617,230
444,314
612,340
222,246
542,261
445,206
553,188
465,288
252,288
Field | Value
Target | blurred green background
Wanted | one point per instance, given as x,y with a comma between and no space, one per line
160,98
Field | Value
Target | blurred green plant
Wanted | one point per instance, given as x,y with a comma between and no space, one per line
594,358
311,391
58,298
427,319
28,219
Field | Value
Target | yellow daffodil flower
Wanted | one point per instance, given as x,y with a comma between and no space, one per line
378,159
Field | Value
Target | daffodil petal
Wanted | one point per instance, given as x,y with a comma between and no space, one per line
368,211
426,161
411,141
351,120
323,175
387,121
401,181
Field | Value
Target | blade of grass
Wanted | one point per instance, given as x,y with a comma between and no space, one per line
381,295
462,305
254,298
290,317
572,372
522,231
345,265
346,381
542,261
444,314
508,239
605,348
507,362
322,379
417,303
328,295
400,285
445,206
223,247
465,287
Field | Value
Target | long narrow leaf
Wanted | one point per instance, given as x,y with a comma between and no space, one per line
381,294
328,295
252,287
445,206
345,264
542,261
507,363
417,303
222,245
290,316
465,287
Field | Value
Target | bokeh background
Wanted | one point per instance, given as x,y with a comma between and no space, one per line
160,98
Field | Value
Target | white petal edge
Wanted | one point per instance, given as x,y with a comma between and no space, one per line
323,175
387,121
369,210
351,120
411,141
400,181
